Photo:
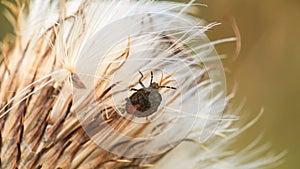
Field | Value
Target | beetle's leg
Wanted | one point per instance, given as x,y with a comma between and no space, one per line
140,80
151,78
133,89
169,87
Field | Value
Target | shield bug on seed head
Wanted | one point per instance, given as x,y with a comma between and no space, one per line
145,101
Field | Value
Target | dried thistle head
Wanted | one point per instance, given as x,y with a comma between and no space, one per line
66,80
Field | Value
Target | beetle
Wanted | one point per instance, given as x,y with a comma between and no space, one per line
146,100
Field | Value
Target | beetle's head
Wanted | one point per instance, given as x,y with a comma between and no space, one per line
154,85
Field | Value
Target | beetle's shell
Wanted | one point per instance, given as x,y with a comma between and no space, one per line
143,102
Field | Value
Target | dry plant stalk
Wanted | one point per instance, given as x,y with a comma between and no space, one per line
66,74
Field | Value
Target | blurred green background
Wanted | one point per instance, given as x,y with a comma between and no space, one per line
267,70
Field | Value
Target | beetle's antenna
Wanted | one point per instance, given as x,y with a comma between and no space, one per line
140,80
169,87
151,78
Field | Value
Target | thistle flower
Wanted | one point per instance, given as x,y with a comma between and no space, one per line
68,74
